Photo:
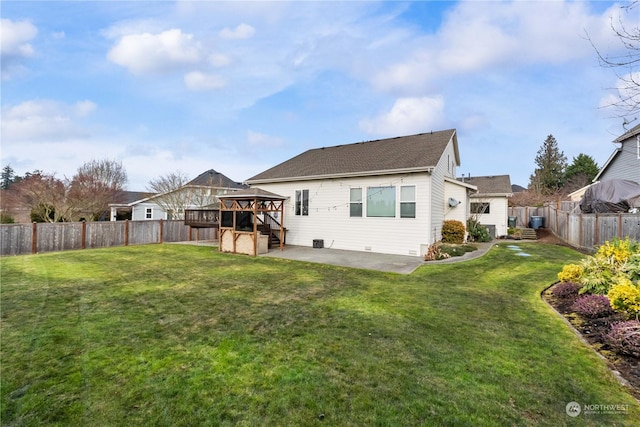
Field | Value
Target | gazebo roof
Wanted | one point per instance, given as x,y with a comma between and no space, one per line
252,193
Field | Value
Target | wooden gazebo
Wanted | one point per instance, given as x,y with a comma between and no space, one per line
251,221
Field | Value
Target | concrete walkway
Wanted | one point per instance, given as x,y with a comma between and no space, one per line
402,264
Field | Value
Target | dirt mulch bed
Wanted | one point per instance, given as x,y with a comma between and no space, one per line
593,331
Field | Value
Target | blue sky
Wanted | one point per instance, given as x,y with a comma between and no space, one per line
239,87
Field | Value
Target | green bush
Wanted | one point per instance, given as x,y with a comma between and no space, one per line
613,259
6,219
456,250
453,231
477,231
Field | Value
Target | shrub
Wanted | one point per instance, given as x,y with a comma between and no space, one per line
434,253
570,273
566,290
456,250
6,218
625,296
632,267
593,306
617,251
477,231
624,338
453,231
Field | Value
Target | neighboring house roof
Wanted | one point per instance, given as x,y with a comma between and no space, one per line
498,185
414,153
213,178
126,197
210,178
515,188
629,134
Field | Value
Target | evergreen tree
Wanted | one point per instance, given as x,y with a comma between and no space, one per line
6,177
548,176
580,173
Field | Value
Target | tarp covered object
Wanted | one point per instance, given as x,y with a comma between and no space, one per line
610,196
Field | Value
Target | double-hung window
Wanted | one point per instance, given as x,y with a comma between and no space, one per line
407,201
148,213
355,202
302,202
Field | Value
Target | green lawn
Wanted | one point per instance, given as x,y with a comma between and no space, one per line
183,335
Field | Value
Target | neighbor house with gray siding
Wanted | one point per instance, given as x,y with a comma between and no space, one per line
386,196
200,192
624,162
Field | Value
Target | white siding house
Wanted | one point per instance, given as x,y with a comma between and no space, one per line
490,205
385,196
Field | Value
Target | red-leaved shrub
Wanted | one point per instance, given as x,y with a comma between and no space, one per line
566,290
624,338
593,306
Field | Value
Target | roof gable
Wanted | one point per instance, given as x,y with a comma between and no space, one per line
414,152
213,178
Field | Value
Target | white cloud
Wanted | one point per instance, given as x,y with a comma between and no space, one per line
198,81
15,46
478,37
219,60
45,120
84,108
408,116
257,139
15,37
242,31
155,53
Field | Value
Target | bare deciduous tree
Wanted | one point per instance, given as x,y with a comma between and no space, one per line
94,186
175,194
626,65
171,200
45,195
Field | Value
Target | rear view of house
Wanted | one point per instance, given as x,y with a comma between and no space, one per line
387,196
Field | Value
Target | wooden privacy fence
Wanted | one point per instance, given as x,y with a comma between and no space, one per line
582,231
18,239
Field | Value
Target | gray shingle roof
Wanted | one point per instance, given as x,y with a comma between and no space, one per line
416,152
499,184
212,178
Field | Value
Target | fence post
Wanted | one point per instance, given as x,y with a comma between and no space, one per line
160,237
83,236
596,234
620,225
126,232
580,232
34,238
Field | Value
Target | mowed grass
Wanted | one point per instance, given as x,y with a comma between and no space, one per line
174,335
